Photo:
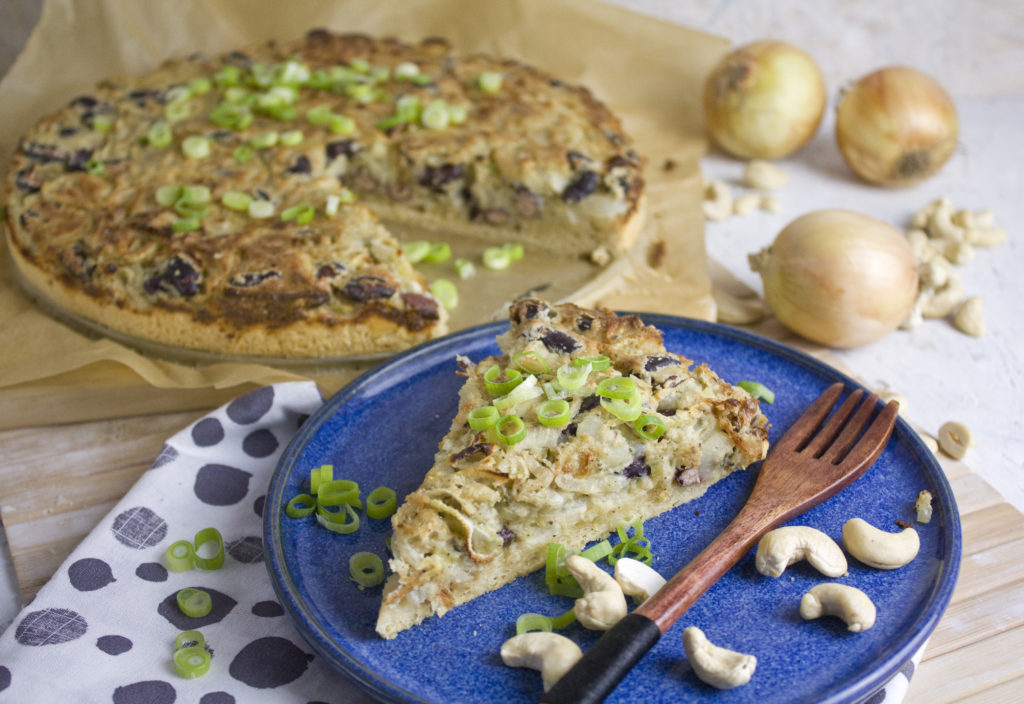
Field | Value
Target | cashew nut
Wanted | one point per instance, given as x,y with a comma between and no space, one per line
603,604
764,175
781,547
879,548
943,300
921,245
637,579
746,203
834,599
717,200
986,236
955,438
967,318
551,653
940,225
923,506
770,204
935,272
959,253
716,666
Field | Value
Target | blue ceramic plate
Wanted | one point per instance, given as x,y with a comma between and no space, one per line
383,429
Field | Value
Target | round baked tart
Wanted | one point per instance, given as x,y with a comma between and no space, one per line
234,204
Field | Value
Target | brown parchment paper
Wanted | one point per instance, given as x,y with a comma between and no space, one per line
648,71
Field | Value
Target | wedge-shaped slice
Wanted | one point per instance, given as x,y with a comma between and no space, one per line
487,509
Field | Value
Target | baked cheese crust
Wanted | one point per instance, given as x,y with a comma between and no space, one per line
324,135
487,510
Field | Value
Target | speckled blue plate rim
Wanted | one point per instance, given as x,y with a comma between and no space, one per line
857,690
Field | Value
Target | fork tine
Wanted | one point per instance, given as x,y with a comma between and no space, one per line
873,441
851,431
817,445
809,421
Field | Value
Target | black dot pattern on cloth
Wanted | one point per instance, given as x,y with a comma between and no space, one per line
267,609
5,678
908,669
151,572
139,528
217,698
269,662
222,605
148,692
207,432
167,454
258,504
248,409
246,550
260,443
113,645
90,574
221,485
50,627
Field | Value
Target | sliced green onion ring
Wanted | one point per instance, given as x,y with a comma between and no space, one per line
415,251
236,200
554,563
345,520
598,551
196,147
515,250
531,362
186,224
649,426
189,639
320,475
554,413
621,387
339,491
207,537
179,556
510,429
243,154
637,548
623,409
194,603
438,252
572,378
191,662
758,391
464,268
366,569
523,392
159,135
167,195
499,383
496,258
483,417
445,292
530,623
597,362
381,502
554,392
300,506
489,81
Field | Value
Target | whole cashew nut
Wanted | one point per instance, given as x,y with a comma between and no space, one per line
834,599
637,579
717,200
551,653
780,548
878,548
603,604
714,665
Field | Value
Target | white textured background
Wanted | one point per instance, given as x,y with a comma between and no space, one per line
975,48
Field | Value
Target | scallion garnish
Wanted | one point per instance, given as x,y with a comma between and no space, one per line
617,387
623,409
227,76
179,556
515,250
499,383
243,154
345,520
291,138
422,79
236,200
167,195
186,224
510,430
464,268
571,378
177,111
331,204
525,391
300,506
416,250
406,70
483,417
438,252
341,125
338,492
531,363
95,167
554,413
381,502
489,81
302,214
435,116
359,65
445,292
597,362
190,639
260,209
758,391
649,426
191,662
319,115
264,140
159,135
366,569
496,258
194,603
360,92
196,147
456,113
531,623
204,557
554,391
199,85
319,476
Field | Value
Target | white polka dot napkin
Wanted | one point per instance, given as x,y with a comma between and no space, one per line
104,628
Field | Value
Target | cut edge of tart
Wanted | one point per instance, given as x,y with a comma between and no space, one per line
488,508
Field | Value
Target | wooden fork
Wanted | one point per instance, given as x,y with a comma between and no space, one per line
811,462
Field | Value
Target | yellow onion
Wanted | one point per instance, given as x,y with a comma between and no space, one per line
838,278
764,100
896,126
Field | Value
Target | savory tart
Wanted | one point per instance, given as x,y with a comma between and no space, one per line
584,422
231,204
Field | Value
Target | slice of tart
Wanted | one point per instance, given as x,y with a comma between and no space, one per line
584,422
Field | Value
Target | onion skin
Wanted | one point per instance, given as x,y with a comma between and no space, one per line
764,100
838,278
896,126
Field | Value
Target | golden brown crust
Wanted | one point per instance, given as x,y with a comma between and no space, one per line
538,159
486,511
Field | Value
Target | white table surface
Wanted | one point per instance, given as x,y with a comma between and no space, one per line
976,50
